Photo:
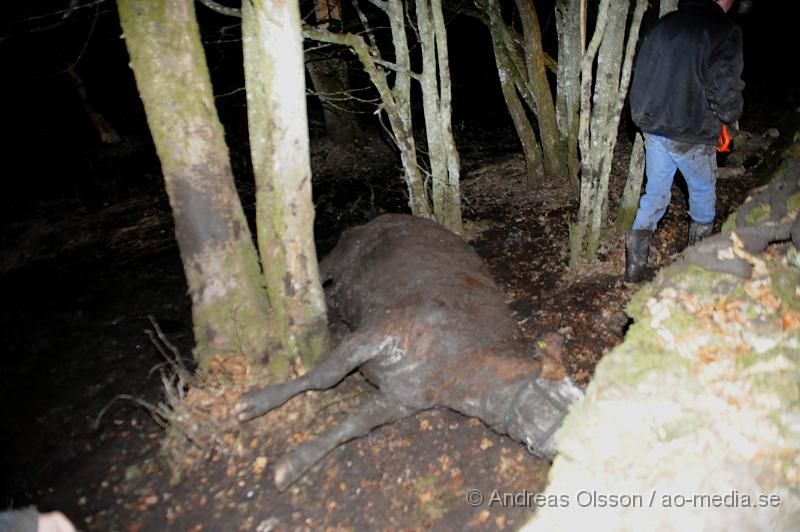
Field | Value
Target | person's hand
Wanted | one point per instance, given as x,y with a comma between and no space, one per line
733,129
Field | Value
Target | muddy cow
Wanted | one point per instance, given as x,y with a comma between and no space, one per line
429,328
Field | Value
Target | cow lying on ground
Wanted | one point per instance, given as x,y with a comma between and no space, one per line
429,328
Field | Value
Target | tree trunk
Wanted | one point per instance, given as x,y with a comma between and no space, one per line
329,76
600,121
229,308
551,140
531,149
277,122
331,83
436,108
397,105
403,129
633,187
452,213
522,65
568,82
667,6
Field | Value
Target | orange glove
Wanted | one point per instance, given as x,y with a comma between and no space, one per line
724,142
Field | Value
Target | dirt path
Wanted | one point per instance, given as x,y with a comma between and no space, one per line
79,289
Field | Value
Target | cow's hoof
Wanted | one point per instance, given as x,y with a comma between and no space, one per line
251,404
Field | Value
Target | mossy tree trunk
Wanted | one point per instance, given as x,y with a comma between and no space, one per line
435,82
278,127
633,187
539,86
507,72
571,35
604,87
229,305
522,69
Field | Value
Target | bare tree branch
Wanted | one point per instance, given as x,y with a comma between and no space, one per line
365,23
65,15
222,10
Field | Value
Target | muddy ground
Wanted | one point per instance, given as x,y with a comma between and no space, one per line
80,278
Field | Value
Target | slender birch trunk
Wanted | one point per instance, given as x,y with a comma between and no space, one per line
438,194
435,82
633,187
633,184
279,146
452,210
522,67
600,117
508,73
568,82
419,202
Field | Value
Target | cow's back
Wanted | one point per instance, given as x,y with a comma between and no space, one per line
428,299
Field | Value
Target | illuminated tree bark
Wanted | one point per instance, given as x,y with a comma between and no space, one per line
279,151
604,87
229,305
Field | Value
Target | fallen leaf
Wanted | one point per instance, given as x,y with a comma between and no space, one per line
791,320
259,465
770,302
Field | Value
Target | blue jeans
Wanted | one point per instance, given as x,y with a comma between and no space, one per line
697,163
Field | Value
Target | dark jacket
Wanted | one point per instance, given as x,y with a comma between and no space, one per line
688,78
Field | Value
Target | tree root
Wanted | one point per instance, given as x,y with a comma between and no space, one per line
736,251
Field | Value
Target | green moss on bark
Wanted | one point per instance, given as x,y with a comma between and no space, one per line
275,82
784,283
219,259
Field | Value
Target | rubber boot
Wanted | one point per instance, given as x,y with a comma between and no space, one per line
637,250
698,232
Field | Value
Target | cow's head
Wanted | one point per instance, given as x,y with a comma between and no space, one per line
542,403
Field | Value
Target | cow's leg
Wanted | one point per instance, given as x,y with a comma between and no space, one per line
353,351
376,410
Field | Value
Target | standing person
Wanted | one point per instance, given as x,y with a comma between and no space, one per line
687,84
